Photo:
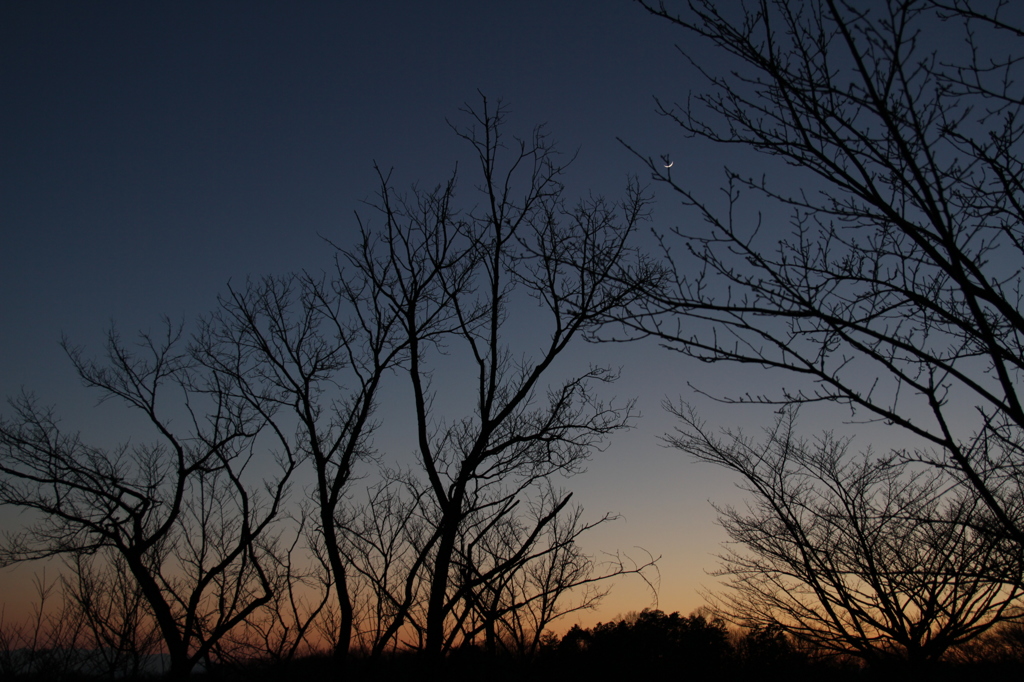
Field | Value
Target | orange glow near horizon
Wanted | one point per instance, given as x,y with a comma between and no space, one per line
20,599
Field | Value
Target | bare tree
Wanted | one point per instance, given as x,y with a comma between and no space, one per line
458,282
46,644
852,554
387,544
1004,643
896,288
309,356
120,630
553,579
182,513
292,621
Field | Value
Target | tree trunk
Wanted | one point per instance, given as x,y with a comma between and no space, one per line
177,649
434,649
343,638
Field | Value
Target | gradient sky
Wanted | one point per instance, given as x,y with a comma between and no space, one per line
151,152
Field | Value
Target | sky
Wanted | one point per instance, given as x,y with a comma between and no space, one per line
153,152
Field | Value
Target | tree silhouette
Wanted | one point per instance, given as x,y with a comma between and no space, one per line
103,595
768,648
659,643
853,555
308,355
181,512
459,282
896,288
555,578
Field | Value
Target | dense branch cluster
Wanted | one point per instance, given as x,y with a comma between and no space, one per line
475,541
893,288
896,289
852,554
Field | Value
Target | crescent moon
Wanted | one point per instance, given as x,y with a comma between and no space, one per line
670,164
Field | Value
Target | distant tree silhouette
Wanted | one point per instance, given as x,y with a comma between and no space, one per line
768,648
1003,643
574,641
653,641
894,289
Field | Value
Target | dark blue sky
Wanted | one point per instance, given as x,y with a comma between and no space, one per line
151,152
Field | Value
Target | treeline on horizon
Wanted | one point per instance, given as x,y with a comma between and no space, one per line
650,642
258,516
